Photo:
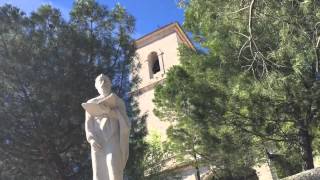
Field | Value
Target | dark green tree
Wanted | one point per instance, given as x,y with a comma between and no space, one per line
47,68
269,52
194,97
135,167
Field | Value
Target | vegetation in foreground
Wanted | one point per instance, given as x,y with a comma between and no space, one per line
47,69
252,90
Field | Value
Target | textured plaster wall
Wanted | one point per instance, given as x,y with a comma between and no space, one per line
263,171
169,47
147,106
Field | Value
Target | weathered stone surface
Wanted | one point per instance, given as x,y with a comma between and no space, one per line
313,174
107,130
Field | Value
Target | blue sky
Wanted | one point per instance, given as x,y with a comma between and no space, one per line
149,14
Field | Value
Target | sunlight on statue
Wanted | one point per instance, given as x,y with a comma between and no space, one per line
107,130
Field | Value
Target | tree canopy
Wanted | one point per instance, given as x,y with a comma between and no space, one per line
47,69
255,75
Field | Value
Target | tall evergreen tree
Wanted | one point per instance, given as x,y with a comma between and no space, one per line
47,69
268,51
194,97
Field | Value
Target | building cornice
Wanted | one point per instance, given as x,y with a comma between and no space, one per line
163,32
147,88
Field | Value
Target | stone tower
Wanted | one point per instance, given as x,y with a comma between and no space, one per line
157,52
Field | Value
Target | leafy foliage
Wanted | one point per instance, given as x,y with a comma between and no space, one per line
255,81
156,159
47,68
195,98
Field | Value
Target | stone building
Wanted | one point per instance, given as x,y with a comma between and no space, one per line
157,52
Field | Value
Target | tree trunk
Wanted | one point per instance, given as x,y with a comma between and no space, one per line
305,142
196,166
198,173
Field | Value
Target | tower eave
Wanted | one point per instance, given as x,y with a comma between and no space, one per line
163,32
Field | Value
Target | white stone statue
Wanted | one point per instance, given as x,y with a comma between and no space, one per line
107,130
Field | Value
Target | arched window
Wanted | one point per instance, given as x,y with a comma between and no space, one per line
154,64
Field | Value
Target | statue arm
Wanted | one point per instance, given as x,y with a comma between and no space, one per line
124,130
89,128
124,121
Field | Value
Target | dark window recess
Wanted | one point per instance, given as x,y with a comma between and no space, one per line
156,66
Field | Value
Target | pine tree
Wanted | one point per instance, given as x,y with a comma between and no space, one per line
195,98
268,52
47,69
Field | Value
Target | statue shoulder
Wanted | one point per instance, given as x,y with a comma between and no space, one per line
119,100
95,99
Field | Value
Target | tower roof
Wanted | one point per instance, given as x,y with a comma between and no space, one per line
163,32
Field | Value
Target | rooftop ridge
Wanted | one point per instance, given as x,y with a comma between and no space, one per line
162,32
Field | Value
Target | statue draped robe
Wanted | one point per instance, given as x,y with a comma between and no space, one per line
112,133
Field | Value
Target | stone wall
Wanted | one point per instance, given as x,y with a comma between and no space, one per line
313,174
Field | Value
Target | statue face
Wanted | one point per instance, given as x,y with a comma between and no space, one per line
103,85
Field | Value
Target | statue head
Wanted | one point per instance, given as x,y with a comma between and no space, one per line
103,85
